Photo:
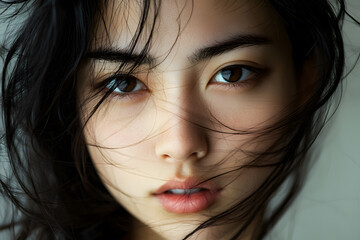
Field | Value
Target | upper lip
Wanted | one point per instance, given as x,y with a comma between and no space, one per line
189,183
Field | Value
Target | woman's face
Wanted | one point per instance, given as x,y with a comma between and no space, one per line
214,69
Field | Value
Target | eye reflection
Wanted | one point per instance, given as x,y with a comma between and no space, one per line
125,84
232,74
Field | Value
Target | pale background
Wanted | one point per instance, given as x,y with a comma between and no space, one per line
329,205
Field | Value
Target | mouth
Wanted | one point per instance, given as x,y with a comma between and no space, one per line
184,191
187,197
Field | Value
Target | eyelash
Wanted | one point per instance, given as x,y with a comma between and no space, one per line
112,83
252,74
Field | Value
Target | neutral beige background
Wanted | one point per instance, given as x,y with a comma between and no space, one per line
329,205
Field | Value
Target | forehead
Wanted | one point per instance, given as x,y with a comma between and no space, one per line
185,24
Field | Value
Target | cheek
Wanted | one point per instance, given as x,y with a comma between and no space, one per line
244,182
117,141
119,148
262,105
120,127
124,178
250,113
119,172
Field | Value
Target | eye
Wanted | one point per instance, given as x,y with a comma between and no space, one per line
234,74
125,85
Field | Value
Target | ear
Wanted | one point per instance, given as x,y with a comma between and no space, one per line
307,79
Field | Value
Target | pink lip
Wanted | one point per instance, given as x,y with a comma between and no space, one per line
187,203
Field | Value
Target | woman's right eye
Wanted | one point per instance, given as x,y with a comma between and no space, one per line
124,85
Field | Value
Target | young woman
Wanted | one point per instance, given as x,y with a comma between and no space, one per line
162,119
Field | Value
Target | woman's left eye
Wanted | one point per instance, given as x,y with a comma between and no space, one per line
234,74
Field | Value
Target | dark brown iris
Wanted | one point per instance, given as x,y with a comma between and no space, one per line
127,84
232,74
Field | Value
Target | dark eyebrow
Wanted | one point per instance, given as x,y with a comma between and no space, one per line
228,45
119,55
220,47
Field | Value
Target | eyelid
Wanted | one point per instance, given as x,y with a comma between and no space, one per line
102,86
256,73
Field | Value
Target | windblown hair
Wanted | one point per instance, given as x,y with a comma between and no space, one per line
51,181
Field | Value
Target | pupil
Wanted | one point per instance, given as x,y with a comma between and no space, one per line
127,85
231,74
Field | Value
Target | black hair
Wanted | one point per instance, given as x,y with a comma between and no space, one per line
52,183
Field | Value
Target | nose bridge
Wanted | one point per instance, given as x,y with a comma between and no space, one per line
181,136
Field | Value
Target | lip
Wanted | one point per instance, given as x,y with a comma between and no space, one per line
187,203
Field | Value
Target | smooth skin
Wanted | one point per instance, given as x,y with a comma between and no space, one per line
179,116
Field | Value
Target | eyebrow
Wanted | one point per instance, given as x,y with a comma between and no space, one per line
220,47
228,45
119,55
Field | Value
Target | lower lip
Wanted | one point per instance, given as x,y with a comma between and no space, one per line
187,203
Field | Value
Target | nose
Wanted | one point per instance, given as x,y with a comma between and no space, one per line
181,140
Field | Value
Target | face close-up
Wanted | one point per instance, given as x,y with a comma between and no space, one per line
172,141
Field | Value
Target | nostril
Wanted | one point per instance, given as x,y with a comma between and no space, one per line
183,141
165,157
194,156
200,154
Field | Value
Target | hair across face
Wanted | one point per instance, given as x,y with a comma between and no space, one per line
212,79
177,118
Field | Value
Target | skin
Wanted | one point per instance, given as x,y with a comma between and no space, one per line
181,122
